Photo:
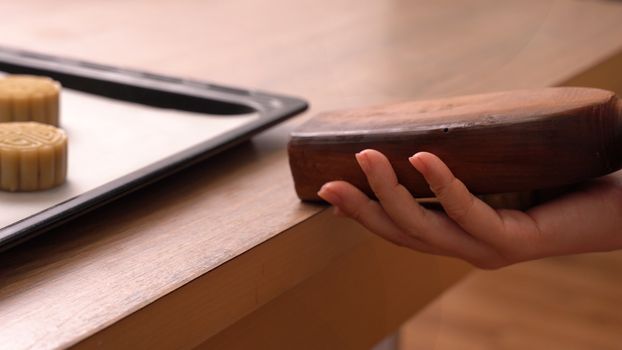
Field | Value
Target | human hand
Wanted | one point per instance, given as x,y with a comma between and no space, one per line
586,220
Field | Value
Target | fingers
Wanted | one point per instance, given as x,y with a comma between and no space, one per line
394,198
407,214
350,201
468,211
471,230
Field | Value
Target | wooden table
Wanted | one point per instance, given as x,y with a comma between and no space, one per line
223,255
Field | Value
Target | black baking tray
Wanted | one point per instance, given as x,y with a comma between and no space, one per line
149,89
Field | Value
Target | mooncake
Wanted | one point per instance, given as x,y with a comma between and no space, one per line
29,98
33,156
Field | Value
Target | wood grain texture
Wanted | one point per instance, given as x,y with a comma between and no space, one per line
560,303
495,143
344,306
83,277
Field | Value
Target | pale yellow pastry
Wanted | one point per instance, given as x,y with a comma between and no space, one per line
29,98
33,156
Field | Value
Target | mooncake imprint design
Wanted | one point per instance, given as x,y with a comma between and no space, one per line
29,98
33,156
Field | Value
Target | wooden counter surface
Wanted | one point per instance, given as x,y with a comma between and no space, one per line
223,254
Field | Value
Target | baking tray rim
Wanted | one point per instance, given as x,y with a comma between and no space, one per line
271,109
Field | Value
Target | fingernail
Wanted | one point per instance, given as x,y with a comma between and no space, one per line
327,194
417,161
363,160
